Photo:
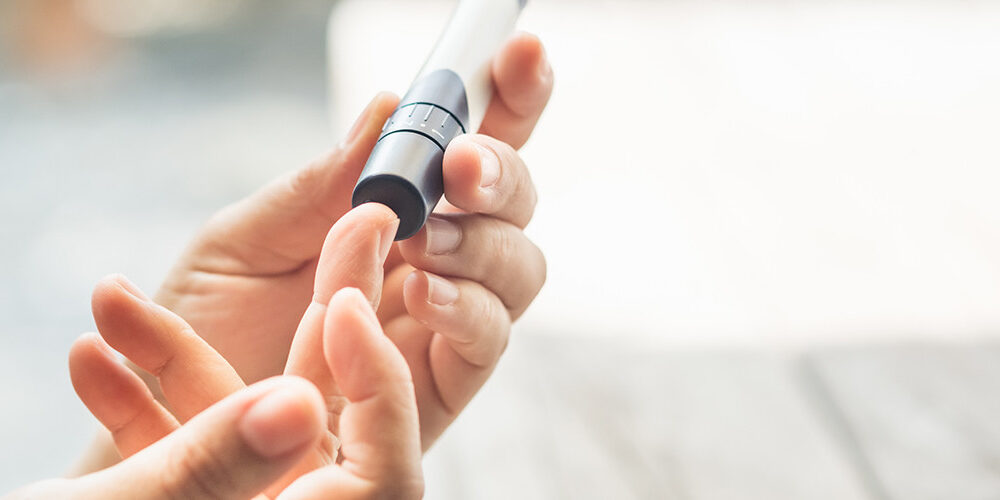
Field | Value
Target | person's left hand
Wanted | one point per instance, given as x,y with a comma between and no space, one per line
451,292
378,451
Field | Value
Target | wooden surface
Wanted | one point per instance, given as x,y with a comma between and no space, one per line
591,419
924,420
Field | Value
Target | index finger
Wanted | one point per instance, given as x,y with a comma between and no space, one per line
192,375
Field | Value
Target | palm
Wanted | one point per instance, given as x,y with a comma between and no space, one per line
249,319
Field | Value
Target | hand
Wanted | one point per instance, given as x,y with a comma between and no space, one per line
248,277
233,449
262,438
243,444
192,375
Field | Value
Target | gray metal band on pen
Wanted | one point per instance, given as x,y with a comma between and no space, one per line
448,98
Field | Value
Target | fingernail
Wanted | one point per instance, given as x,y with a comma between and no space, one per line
277,424
489,167
386,238
443,235
130,287
440,291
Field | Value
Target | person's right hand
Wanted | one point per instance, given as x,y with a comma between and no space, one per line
258,440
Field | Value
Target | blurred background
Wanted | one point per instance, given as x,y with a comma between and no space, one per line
772,227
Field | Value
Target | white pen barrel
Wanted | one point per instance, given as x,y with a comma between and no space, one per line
475,33
448,98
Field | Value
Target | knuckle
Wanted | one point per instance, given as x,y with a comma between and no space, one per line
499,333
489,335
303,184
510,163
535,276
310,186
521,196
486,309
506,255
532,198
504,245
505,151
196,472
543,268
409,488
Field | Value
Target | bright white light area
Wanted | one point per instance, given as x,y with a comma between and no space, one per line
720,172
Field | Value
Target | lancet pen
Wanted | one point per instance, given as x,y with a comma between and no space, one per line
448,98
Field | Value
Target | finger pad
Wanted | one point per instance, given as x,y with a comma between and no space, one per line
520,82
350,256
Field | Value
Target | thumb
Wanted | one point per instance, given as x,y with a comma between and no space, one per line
282,226
234,449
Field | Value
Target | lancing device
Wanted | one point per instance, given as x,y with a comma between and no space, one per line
448,98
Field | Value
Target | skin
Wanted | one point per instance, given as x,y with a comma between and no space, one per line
255,438
192,375
246,281
267,270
